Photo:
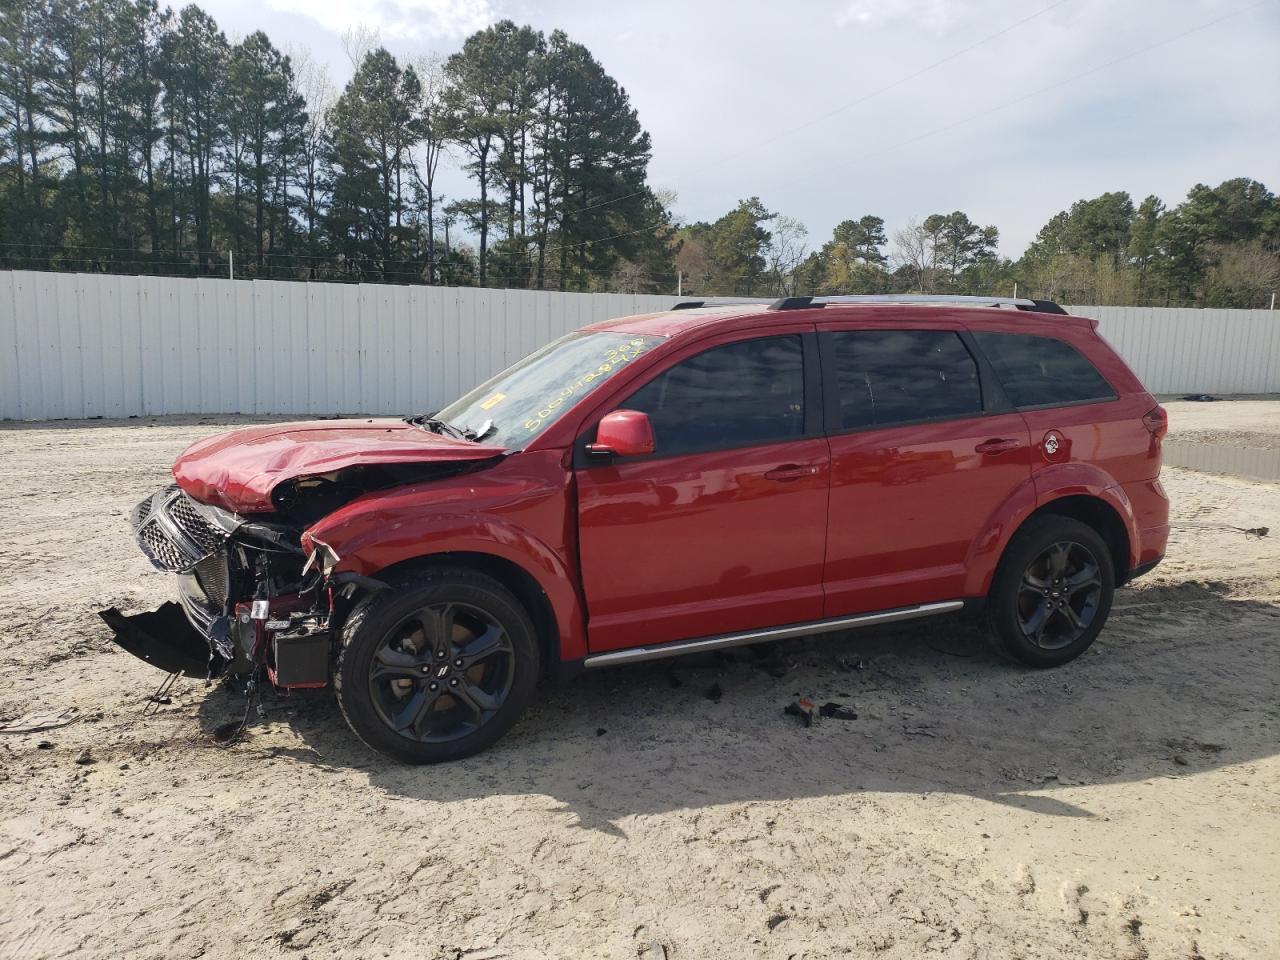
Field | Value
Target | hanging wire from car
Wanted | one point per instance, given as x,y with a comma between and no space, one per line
230,733
1256,533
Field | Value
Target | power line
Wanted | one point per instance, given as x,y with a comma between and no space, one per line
756,145
990,110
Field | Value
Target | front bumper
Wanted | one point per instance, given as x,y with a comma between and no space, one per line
165,639
241,603
180,536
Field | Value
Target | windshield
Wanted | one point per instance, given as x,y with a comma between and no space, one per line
522,401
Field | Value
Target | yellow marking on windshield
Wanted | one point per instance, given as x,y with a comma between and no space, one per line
493,401
614,357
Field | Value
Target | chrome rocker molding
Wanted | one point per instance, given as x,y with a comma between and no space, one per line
678,647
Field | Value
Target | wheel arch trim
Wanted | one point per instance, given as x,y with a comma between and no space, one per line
1049,491
478,541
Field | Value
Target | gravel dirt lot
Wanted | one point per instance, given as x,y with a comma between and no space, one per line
1124,806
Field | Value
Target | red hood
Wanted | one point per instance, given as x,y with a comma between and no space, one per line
238,470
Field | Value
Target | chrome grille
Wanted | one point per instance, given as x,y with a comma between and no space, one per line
164,553
193,525
175,536
211,575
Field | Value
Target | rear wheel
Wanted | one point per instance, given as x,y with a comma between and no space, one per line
438,668
1052,591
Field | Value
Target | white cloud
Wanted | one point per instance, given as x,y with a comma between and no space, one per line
414,20
934,15
756,97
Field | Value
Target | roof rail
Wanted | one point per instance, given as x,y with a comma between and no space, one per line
723,302
1037,306
802,303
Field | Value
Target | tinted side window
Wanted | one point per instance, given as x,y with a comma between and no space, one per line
737,395
897,376
1042,371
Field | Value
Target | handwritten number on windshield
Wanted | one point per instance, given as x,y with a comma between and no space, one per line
614,357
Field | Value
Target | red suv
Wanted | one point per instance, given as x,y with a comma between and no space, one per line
713,475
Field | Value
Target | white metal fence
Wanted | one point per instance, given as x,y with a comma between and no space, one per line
87,345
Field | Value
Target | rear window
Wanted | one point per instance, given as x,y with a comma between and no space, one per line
1043,371
886,377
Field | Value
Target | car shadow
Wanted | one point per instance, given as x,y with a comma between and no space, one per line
1159,695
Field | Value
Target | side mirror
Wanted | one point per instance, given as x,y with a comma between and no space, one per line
623,433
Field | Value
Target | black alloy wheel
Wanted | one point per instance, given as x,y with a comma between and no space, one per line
442,672
1059,595
438,668
1052,591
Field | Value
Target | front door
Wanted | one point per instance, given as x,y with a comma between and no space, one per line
722,529
919,465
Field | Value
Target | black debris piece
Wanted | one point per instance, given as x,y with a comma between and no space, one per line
85,758
714,693
601,731
44,745
848,665
773,922
1200,397
837,711
801,708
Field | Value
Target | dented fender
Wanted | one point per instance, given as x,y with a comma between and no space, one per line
519,511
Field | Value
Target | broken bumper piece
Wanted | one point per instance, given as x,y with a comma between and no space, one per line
166,639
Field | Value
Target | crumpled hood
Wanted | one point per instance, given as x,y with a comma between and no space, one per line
238,470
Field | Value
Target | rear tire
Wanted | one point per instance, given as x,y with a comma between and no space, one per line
437,668
1052,591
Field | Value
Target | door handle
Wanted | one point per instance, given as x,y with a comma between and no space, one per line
791,471
997,446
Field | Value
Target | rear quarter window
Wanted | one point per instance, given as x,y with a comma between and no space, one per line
1043,371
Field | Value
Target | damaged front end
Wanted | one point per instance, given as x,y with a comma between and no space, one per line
247,597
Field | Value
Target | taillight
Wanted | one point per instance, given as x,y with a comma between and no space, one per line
1157,421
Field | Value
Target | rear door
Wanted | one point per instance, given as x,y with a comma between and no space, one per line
1074,412
921,459
723,528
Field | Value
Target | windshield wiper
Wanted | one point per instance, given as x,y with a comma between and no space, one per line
486,428
436,425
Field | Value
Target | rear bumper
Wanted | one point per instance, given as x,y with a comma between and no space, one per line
1141,570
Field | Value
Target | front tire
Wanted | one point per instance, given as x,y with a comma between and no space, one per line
438,668
1052,591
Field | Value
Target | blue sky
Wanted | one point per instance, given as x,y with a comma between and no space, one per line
1019,122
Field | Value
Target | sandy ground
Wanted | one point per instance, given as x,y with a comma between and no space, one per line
1125,806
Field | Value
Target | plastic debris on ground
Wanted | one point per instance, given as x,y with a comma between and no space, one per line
801,708
40,720
837,711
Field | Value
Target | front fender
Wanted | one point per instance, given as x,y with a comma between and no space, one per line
369,541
